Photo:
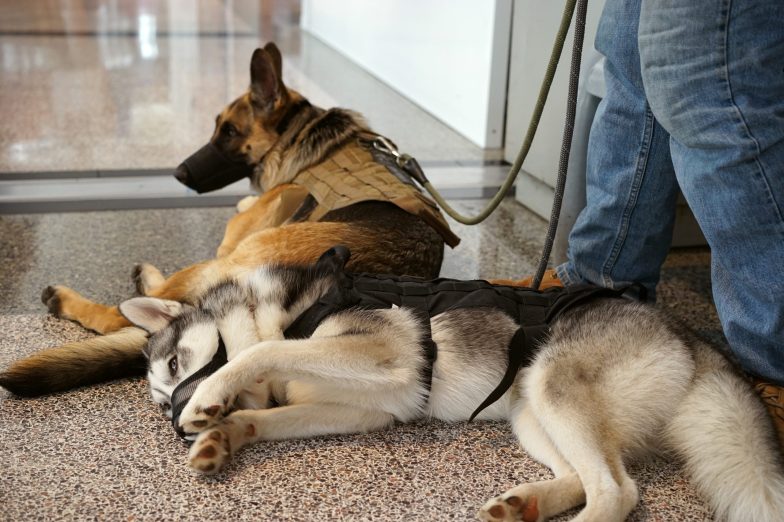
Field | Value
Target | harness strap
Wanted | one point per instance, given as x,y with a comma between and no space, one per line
525,343
429,348
520,353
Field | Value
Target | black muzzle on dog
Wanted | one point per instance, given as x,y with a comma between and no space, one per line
184,391
209,169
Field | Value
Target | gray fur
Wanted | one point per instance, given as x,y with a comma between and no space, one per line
163,344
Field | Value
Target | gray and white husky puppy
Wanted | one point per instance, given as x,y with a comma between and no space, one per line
613,380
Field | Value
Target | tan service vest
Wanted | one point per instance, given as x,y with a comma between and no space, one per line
352,175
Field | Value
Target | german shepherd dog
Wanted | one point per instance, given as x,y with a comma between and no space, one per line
613,379
277,132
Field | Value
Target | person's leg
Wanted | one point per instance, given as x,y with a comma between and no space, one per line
625,230
713,72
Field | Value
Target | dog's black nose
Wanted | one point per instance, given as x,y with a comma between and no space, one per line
182,175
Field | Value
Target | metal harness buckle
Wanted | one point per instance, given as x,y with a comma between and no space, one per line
381,144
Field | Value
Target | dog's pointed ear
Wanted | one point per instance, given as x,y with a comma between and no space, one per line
334,259
264,82
277,60
151,313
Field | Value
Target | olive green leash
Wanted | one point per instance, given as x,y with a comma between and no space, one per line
410,164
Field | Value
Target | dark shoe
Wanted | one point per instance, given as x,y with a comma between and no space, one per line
773,398
549,280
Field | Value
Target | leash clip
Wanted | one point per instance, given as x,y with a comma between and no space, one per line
405,161
381,144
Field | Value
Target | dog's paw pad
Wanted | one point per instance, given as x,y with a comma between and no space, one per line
217,411
196,423
212,411
197,419
210,452
508,508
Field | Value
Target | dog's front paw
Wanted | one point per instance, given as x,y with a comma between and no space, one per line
205,410
508,508
214,447
211,451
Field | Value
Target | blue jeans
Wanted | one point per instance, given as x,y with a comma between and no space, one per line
695,98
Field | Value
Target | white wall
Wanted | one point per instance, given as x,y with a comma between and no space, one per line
448,56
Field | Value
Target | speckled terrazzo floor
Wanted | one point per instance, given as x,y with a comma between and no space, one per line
107,453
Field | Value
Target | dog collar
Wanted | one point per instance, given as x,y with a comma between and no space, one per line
184,391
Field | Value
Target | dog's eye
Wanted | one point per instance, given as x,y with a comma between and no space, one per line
229,130
173,365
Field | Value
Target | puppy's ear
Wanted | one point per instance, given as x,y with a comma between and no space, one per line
264,82
150,313
334,259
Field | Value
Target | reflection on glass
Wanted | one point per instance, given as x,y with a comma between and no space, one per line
148,45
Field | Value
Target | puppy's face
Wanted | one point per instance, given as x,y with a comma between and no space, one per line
178,351
183,340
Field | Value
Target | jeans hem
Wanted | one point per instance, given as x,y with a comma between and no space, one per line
567,275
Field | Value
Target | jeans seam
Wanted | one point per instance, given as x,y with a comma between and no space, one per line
642,163
743,124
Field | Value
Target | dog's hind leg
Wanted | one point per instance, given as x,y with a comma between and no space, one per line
215,447
610,494
297,244
539,500
271,209
582,429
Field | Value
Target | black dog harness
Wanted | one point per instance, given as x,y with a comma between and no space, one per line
533,311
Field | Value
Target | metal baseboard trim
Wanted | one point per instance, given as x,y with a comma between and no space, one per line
146,191
82,174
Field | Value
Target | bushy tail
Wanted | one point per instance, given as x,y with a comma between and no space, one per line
80,363
727,440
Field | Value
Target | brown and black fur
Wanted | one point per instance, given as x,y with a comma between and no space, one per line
279,132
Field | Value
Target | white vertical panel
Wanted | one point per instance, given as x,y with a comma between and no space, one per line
448,56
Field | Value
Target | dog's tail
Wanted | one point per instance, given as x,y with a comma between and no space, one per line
729,445
80,363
